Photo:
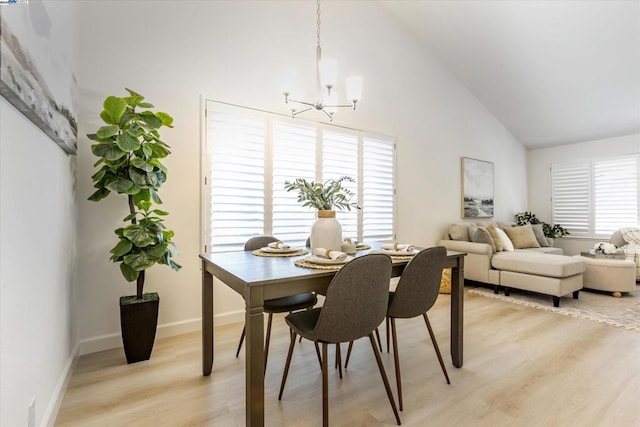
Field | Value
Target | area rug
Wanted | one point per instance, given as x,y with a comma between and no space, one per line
600,307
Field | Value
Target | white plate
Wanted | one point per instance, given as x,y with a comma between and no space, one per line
399,253
278,251
320,260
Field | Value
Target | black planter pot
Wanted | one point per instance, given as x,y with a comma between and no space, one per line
138,322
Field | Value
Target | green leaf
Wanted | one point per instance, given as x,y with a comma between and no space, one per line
115,107
142,164
138,261
100,174
107,131
138,176
108,150
130,216
167,120
158,150
145,105
156,251
147,151
94,137
127,142
119,185
139,235
129,273
122,248
142,196
100,194
133,190
133,94
160,212
155,196
106,117
150,119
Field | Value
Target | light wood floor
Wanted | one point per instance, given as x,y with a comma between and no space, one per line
523,367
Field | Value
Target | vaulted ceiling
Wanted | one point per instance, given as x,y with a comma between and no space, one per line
553,72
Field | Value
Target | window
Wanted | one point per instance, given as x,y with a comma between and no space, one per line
249,156
595,197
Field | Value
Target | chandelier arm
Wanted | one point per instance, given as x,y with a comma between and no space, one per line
295,113
311,104
330,115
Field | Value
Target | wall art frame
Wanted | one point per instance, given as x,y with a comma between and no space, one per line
477,188
35,70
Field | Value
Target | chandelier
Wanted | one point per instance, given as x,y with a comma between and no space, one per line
326,99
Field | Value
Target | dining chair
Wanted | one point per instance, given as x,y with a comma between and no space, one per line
277,305
415,294
355,304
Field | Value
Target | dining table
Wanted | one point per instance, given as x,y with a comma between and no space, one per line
260,278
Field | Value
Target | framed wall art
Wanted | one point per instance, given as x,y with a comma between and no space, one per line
36,75
477,188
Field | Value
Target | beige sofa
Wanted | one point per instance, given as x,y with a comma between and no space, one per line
538,269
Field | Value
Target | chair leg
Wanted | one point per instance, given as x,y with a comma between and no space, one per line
318,353
346,363
266,344
339,359
285,373
384,378
387,323
396,359
325,387
435,347
378,338
244,331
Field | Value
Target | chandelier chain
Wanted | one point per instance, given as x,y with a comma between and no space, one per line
318,12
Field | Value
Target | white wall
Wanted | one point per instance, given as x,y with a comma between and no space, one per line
174,52
539,161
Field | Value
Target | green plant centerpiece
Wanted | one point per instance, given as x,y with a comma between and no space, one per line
129,150
325,196
551,231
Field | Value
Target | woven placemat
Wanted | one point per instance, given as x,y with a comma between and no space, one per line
363,247
306,264
395,257
260,252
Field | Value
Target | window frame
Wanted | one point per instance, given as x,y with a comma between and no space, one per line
208,104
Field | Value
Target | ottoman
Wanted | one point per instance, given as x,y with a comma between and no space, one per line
555,275
612,275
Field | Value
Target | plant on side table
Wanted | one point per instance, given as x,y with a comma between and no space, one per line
129,150
325,196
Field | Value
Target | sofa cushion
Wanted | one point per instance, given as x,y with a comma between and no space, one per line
522,237
496,238
459,231
547,250
506,243
481,235
538,231
538,264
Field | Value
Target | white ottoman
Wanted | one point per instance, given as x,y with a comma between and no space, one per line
613,275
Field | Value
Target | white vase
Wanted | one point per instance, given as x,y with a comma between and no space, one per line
326,232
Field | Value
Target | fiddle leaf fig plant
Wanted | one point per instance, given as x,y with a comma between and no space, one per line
129,150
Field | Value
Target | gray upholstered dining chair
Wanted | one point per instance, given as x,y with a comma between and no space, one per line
355,304
276,305
415,294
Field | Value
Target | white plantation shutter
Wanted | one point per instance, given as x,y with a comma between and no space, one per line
615,194
249,154
378,188
236,179
294,156
595,197
340,158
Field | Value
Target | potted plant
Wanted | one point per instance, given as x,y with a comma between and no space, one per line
550,231
325,197
129,150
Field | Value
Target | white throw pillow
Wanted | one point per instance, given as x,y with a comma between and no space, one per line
506,242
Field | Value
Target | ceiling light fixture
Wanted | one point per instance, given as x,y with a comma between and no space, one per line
326,73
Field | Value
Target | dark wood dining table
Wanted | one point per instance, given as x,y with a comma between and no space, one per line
258,279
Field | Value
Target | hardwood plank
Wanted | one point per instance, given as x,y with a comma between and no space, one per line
523,367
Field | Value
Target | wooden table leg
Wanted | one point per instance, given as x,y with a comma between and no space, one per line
207,321
254,375
457,310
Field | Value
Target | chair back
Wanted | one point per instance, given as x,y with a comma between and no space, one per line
258,242
419,284
356,301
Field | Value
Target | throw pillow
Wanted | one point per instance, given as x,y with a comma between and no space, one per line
522,237
506,243
481,235
496,238
459,231
538,231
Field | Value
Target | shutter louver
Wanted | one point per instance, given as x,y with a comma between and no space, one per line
378,190
570,195
236,179
615,194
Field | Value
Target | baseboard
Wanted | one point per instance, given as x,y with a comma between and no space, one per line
107,342
51,413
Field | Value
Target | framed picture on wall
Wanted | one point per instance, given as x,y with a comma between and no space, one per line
36,74
477,188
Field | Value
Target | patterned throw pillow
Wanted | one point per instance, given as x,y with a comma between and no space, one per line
522,237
